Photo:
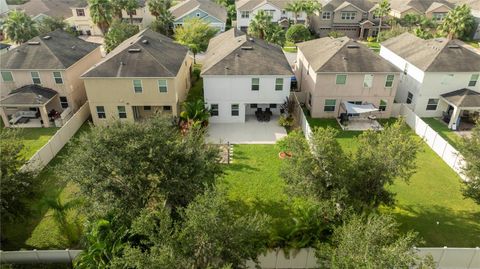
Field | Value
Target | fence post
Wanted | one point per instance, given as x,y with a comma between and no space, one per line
477,251
443,255
36,255
228,152
69,256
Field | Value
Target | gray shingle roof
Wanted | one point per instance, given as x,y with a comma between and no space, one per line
29,95
434,55
248,5
364,5
420,5
233,53
146,54
343,55
208,6
463,98
60,51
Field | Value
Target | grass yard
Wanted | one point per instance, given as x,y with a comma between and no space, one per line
442,129
34,139
39,230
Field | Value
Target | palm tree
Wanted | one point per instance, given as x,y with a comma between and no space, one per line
101,13
260,24
381,11
157,7
19,27
130,7
458,23
295,7
117,7
310,7
70,229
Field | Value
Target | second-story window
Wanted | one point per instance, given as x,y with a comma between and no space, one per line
57,76
133,13
473,80
7,76
255,84
80,12
245,14
438,16
326,15
368,81
389,81
279,84
341,79
137,86
162,85
348,15
36,77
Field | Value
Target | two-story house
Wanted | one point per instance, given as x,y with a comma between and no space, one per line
42,75
247,9
334,71
242,75
353,18
432,9
84,24
146,74
207,10
433,70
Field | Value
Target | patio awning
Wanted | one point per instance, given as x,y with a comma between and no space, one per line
464,98
358,109
29,95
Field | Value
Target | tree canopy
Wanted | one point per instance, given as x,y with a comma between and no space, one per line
195,34
458,23
101,12
49,24
19,27
297,33
118,32
470,150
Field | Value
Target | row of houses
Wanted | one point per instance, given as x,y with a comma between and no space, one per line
150,73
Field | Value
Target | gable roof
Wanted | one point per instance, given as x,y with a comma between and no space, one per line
331,5
53,8
212,8
55,50
248,5
421,6
463,98
434,55
233,53
343,55
32,94
146,54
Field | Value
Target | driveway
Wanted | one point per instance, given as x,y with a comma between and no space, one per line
250,132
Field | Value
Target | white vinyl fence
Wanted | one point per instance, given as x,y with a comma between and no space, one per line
301,118
38,256
46,153
303,258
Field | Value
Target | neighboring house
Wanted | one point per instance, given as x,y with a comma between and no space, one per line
52,8
475,8
49,64
83,23
432,68
207,10
353,18
247,9
432,9
331,71
242,75
148,73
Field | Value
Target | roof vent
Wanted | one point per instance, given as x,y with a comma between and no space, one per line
251,39
134,50
47,37
344,58
439,40
33,43
246,48
454,46
145,41
353,46
74,47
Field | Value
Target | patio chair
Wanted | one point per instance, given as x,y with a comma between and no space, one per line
268,111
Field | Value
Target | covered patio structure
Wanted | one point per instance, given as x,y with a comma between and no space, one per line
358,117
463,109
29,106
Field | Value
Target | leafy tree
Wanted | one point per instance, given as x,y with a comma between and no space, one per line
297,33
260,24
118,32
470,149
158,7
19,27
381,11
458,23
195,111
49,24
164,23
275,35
114,164
117,7
424,34
296,7
17,184
310,7
370,242
130,7
101,13
410,20
195,34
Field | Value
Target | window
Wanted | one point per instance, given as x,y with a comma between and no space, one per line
133,13
255,84
284,12
147,108
162,85
214,109
272,106
383,105
245,14
447,79
471,83
7,76
341,79
137,86
57,76
389,81
122,113
235,110
80,12
36,77
368,81
167,108
63,102
279,84
326,15
101,112
270,12
310,99
348,15
438,16
356,102
409,98
253,105
330,105
432,104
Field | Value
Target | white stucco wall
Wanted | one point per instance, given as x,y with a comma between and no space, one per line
228,90
277,15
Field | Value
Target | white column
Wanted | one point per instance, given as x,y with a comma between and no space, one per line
453,119
4,117
44,115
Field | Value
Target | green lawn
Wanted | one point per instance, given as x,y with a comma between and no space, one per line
34,139
442,129
474,44
375,46
38,230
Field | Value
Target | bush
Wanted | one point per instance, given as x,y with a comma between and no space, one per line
370,39
335,34
384,35
297,33
286,122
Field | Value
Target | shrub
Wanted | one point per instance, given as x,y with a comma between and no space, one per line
286,122
335,34
297,33
370,39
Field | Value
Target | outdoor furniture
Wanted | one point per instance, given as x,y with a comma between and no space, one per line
23,120
268,111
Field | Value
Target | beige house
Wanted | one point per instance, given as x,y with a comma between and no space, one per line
432,9
334,71
43,75
146,74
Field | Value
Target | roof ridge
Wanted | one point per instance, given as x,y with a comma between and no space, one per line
333,55
433,59
51,52
156,60
239,44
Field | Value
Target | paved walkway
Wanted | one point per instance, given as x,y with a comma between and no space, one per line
250,132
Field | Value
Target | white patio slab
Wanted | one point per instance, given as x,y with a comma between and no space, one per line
362,125
250,132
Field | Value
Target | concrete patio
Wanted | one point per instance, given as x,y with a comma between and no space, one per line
250,132
361,125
